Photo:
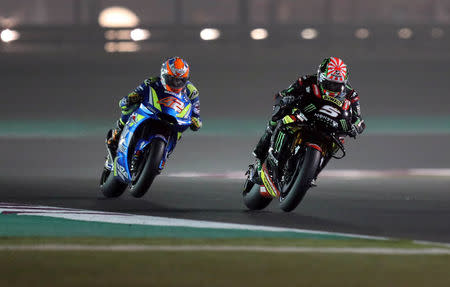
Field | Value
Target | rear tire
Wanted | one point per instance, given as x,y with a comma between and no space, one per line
252,198
304,174
150,169
110,186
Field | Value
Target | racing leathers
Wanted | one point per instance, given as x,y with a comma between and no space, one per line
301,92
131,102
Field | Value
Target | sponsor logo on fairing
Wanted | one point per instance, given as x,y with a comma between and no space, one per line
344,125
326,120
270,186
122,148
263,191
309,108
173,103
121,171
333,100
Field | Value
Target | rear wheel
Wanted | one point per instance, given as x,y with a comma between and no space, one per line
149,169
110,186
305,172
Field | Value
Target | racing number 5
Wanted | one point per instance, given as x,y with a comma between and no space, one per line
329,110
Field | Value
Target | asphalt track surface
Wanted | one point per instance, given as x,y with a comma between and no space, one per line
64,172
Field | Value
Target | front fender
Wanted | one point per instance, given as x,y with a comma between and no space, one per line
142,143
121,164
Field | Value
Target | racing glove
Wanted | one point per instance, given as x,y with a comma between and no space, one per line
352,132
280,107
133,98
357,128
196,124
286,101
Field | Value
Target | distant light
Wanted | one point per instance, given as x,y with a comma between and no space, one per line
140,34
437,33
112,47
208,34
405,33
259,34
362,33
8,35
123,34
115,17
309,33
9,21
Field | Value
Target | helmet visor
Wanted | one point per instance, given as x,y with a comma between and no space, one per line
332,86
175,82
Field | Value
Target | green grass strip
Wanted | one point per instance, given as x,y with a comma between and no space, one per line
250,241
209,268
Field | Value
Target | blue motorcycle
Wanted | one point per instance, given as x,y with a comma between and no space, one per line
149,136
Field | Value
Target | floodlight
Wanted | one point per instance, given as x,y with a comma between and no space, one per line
114,17
309,33
208,34
8,35
140,34
259,34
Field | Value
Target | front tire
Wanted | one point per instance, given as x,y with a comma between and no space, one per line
150,169
253,198
111,186
303,175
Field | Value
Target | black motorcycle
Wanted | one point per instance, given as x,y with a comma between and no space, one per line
301,145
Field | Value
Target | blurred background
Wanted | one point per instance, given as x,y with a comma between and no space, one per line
64,65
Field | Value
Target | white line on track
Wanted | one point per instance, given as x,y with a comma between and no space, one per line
123,218
265,249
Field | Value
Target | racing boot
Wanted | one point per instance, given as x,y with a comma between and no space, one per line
260,153
262,147
253,172
113,138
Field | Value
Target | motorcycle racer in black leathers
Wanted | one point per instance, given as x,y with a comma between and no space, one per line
330,82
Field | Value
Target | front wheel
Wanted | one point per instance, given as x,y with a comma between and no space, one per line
150,170
253,198
111,186
303,175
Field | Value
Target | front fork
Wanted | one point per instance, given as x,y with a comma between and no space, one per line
140,147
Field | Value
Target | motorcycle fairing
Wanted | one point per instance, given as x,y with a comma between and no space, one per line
176,106
270,186
121,166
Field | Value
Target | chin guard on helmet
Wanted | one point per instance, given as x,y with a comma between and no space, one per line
174,74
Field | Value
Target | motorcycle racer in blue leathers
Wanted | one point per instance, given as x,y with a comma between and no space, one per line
173,79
